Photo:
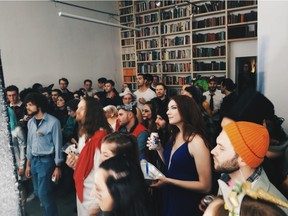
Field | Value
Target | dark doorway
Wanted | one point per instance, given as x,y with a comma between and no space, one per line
246,73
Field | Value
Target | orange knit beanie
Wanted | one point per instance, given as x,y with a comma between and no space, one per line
250,141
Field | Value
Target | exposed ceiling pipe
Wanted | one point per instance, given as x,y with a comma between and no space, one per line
86,8
63,14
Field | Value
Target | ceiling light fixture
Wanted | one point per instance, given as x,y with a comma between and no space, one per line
158,3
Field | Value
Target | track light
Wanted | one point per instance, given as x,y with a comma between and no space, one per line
158,3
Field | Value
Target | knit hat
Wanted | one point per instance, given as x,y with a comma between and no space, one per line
162,112
250,141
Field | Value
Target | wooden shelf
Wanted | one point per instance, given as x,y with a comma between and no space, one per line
242,39
178,60
123,15
124,7
171,73
148,49
176,47
147,37
174,20
207,18
208,28
176,33
150,61
147,11
210,42
242,8
242,23
147,24
208,13
211,71
209,57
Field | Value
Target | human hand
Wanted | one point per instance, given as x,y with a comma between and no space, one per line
56,175
96,97
142,100
160,181
205,201
152,146
71,160
21,171
27,172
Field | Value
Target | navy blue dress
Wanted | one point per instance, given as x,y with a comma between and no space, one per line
180,201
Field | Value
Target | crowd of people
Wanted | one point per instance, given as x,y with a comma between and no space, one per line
91,143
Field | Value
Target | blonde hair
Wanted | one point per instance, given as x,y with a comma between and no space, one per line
111,109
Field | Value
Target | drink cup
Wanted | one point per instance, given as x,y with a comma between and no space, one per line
154,140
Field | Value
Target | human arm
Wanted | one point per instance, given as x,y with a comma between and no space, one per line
28,152
27,170
201,154
74,141
142,140
21,141
206,107
57,141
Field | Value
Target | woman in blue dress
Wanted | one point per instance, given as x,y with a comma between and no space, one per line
187,159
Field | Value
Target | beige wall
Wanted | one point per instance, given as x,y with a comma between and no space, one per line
273,53
39,46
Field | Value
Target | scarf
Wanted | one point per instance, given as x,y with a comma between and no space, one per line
86,161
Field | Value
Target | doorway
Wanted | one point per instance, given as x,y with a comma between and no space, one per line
246,73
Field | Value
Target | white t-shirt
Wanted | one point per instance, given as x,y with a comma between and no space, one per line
147,95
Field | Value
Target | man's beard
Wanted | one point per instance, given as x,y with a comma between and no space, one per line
34,113
212,89
228,166
124,124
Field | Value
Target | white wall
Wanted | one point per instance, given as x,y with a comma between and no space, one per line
39,46
240,49
273,53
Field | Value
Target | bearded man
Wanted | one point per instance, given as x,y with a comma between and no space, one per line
239,153
44,151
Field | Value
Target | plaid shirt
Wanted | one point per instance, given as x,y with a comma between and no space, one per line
226,178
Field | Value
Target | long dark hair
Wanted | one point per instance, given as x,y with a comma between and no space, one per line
150,123
125,183
94,118
191,116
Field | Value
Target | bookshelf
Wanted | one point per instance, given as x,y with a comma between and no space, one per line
127,18
179,41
